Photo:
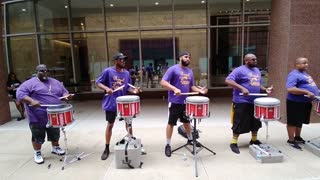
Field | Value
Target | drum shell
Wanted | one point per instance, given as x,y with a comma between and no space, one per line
197,108
60,116
128,109
268,112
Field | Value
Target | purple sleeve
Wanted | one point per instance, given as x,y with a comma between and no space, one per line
232,75
291,81
103,78
23,91
168,75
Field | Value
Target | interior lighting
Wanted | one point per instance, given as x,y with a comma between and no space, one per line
156,3
202,2
23,10
66,7
111,5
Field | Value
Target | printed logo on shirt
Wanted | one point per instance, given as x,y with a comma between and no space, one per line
310,80
117,82
254,79
185,78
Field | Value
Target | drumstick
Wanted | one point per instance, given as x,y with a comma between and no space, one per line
317,97
48,105
189,93
132,86
255,94
117,89
63,97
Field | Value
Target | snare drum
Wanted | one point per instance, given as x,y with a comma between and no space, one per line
60,116
197,106
128,106
267,108
317,105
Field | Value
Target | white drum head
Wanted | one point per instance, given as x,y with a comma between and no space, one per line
197,99
128,98
266,101
61,108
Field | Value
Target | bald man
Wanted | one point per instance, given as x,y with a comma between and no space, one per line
301,91
245,79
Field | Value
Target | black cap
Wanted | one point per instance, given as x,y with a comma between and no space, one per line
183,53
119,56
41,67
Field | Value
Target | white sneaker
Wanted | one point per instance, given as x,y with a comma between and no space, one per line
38,157
57,150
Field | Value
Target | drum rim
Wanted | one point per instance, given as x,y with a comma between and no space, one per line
128,98
197,99
274,102
65,108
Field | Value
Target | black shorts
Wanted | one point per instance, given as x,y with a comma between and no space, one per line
111,116
39,133
177,111
243,119
298,113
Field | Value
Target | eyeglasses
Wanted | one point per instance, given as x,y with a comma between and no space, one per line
43,71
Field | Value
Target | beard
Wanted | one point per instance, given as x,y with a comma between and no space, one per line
185,63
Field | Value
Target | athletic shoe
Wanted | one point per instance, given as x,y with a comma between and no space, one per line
256,142
294,144
57,150
299,139
234,148
167,150
105,154
38,158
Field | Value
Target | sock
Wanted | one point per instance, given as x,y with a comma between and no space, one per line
169,141
36,151
254,137
107,146
189,136
234,140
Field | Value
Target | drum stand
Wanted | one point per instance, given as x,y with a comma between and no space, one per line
266,153
313,145
72,158
194,149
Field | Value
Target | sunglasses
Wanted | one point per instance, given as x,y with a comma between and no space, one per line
43,71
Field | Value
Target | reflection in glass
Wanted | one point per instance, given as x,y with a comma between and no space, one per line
225,12
52,16
55,52
155,14
225,53
257,12
195,42
157,56
190,13
89,58
121,14
23,56
20,17
87,15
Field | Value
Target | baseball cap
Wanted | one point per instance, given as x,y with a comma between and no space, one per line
119,56
183,53
41,67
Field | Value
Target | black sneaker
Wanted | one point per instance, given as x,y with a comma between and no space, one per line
190,142
294,144
105,154
234,148
167,150
299,139
256,142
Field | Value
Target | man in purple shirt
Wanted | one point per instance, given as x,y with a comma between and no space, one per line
34,92
179,79
245,79
110,79
301,91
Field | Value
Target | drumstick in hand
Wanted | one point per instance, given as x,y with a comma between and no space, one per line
255,94
132,86
65,97
117,89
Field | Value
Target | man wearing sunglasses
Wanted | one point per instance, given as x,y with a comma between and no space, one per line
35,92
179,79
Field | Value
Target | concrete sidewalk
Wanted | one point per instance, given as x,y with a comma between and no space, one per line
86,134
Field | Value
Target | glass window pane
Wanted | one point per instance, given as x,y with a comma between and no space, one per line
4,56
128,44
2,21
198,51
55,52
225,53
89,58
190,12
121,14
52,16
155,14
87,15
257,12
20,17
257,42
157,56
225,12
23,56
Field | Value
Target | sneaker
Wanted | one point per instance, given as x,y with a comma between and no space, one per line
256,142
234,148
38,158
105,154
167,150
190,142
57,150
294,144
298,139
20,118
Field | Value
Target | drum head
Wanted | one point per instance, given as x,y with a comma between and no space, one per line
267,101
128,98
61,108
197,99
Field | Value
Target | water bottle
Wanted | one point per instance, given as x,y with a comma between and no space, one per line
184,157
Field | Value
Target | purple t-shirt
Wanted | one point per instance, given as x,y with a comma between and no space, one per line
113,79
250,78
181,78
301,80
47,92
